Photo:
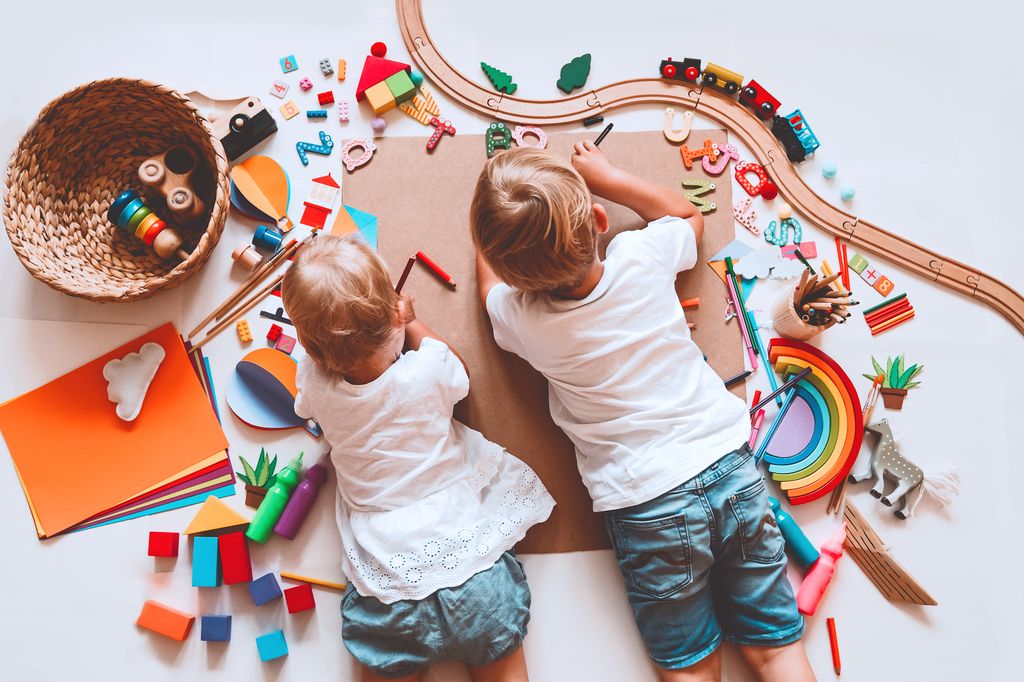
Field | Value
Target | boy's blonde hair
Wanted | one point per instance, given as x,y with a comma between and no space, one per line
340,298
532,218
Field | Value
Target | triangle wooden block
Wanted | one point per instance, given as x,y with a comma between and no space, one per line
216,518
376,70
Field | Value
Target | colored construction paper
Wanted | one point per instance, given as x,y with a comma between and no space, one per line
262,391
75,458
734,249
264,184
197,498
343,223
367,224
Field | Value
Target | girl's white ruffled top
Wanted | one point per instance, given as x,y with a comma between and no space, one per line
424,502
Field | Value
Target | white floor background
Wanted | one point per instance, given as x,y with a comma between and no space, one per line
919,108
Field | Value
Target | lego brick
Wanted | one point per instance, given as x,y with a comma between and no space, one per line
235,565
279,89
288,64
215,628
205,562
343,110
289,110
165,621
316,113
272,645
305,84
264,589
342,67
163,544
401,86
274,332
244,333
325,67
379,98
299,598
325,97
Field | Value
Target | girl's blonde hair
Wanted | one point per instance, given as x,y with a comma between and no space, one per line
532,218
340,298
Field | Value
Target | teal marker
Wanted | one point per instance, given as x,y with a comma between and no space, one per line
800,548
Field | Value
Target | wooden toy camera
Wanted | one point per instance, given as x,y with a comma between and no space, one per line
243,127
171,175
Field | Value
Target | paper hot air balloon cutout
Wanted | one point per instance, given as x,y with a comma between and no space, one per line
260,189
262,392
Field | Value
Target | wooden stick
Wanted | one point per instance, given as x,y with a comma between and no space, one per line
246,307
313,581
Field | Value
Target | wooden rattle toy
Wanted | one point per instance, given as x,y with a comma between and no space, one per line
247,256
171,175
132,215
888,463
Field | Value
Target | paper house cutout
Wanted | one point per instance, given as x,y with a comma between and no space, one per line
319,202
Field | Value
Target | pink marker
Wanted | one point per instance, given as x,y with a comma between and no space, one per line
812,589
756,428
743,323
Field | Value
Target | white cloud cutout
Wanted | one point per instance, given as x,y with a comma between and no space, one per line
768,262
128,379
787,268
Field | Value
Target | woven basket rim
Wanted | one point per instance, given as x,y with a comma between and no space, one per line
207,241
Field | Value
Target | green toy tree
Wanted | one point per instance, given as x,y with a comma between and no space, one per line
574,74
499,79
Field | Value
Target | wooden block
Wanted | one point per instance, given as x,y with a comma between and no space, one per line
380,98
164,620
289,110
288,63
215,628
163,544
299,598
264,589
215,518
884,285
279,89
205,562
857,263
235,565
401,86
285,343
272,645
869,275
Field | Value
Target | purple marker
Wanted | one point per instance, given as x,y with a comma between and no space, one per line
301,502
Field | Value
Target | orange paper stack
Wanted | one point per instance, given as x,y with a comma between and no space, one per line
81,466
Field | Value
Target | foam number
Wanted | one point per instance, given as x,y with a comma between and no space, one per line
519,134
695,189
728,152
709,149
498,136
350,162
765,187
325,147
778,232
442,126
677,134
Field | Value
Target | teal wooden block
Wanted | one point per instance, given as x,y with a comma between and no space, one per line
272,645
205,562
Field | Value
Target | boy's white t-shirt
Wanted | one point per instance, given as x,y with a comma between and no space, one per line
424,502
626,382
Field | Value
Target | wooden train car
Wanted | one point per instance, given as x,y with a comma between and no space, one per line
722,78
755,97
686,70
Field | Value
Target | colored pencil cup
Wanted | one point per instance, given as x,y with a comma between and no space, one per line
788,323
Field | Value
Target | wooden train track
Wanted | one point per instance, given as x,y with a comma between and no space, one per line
738,120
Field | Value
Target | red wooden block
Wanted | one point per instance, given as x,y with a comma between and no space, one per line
234,558
162,543
325,97
274,333
299,598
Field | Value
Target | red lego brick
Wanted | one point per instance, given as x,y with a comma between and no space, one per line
325,97
299,598
163,544
234,558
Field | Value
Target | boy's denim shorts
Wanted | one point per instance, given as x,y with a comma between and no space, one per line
477,622
706,561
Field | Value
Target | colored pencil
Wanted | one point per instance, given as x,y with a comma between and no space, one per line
760,348
894,322
405,274
884,304
738,378
887,314
829,273
313,581
834,643
790,383
740,317
757,396
435,268
846,267
779,416
756,427
604,134
803,260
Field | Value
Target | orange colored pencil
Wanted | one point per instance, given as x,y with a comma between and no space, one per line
833,641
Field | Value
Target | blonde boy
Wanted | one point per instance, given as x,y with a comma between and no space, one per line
660,443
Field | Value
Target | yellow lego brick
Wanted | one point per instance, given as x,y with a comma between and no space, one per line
379,98
244,333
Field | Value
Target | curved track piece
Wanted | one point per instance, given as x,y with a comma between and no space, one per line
741,122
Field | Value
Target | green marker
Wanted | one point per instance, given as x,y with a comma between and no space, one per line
274,503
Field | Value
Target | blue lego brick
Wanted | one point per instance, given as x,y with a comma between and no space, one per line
264,589
216,628
272,645
205,562
316,113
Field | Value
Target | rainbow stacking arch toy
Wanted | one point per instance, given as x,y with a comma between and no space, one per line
817,441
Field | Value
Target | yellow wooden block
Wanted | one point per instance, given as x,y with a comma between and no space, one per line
341,69
379,98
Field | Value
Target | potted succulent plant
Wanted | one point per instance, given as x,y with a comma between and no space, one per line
257,479
896,380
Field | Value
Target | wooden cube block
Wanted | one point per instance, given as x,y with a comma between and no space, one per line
279,89
234,558
401,86
162,543
380,98
884,285
264,589
272,645
857,263
288,63
164,620
215,628
299,598
205,562
869,275
285,344
289,110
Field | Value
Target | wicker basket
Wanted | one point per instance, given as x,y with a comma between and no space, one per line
85,149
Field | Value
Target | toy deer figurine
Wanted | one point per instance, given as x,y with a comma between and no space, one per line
887,462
